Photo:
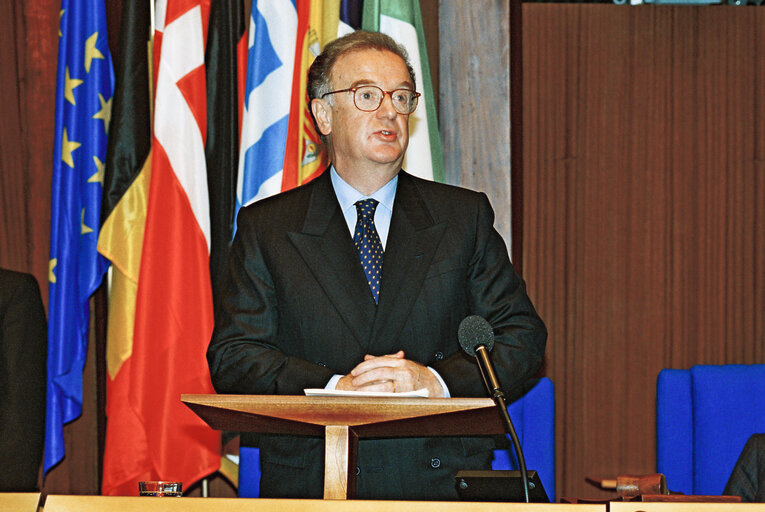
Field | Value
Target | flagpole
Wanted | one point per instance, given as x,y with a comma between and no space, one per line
150,62
151,20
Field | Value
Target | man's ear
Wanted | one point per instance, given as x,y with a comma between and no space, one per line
323,115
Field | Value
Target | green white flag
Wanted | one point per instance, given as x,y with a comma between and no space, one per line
402,20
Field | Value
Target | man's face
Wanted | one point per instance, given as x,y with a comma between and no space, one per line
362,141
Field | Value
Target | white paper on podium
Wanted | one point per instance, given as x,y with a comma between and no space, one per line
419,393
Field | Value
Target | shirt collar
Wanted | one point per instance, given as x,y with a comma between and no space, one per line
347,196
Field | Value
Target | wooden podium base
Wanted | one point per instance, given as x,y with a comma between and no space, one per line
340,445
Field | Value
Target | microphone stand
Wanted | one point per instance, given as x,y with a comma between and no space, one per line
492,384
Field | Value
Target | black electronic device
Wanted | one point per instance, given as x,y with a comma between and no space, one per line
499,486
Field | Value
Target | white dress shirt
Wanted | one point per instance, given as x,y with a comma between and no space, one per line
347,196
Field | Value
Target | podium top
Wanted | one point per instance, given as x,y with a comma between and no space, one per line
366,417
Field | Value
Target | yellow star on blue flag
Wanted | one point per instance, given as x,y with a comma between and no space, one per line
85,85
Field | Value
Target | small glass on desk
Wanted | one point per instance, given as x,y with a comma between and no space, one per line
160,488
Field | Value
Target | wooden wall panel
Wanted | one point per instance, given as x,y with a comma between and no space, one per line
28,47
474,100
644,213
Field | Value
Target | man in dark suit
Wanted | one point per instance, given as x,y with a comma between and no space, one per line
23,346
748,476
304,305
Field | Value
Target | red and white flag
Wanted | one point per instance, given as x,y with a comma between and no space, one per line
151,434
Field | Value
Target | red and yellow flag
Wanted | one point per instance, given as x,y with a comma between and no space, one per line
305,156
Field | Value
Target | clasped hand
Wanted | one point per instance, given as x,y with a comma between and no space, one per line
390,373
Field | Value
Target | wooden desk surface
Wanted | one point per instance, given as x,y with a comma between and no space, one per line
19,501
638,506
60,503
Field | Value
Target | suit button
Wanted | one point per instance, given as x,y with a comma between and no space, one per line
439,356
435,463
321,364
358,471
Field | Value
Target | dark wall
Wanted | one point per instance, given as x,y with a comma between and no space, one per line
28,50
644,213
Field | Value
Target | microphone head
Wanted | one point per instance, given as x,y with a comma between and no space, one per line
474,331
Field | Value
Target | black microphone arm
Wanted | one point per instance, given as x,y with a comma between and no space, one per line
487,372
476,338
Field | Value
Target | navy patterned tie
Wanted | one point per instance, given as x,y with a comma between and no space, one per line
368,244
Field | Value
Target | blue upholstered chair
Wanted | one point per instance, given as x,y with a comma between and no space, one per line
533,417
534,420
249,472
704,417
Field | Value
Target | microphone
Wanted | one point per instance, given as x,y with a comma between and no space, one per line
476,338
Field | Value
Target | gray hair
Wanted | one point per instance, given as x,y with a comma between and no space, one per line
319,73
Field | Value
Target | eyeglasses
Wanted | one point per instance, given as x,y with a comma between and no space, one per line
368,98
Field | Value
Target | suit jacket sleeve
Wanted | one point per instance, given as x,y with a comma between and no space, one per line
748,476
495,292
23,344
242,356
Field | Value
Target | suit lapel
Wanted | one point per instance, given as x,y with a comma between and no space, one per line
327,248
412,242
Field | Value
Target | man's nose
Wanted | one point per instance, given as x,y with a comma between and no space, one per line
386,107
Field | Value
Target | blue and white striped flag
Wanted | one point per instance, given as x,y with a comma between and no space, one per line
270,63
85,85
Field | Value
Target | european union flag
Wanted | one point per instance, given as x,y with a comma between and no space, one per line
84,91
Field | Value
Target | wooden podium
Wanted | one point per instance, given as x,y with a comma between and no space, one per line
344,420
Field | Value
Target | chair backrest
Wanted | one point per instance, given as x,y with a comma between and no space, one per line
533,417
19,501
704,417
